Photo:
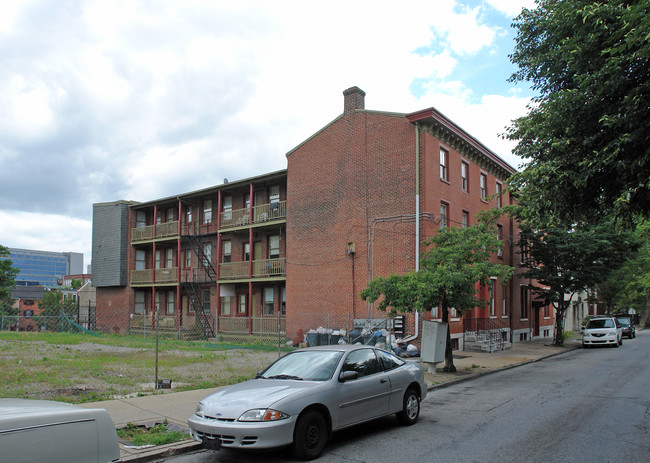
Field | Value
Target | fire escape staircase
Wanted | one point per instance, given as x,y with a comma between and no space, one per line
194,289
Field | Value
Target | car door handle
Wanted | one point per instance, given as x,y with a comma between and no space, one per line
383,380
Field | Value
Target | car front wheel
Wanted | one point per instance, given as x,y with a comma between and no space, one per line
310,435
411,408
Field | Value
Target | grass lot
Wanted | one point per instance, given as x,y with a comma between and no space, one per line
80,368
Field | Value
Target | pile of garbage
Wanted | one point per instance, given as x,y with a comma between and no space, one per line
380,338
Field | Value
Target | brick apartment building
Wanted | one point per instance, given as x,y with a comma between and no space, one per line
291,250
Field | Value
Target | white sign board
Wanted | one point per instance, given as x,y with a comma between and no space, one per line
434,341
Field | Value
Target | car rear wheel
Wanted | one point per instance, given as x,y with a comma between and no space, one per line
410,409
310,435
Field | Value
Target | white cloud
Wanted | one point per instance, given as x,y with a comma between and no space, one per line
117,99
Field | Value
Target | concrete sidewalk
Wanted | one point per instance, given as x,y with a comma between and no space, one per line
177,407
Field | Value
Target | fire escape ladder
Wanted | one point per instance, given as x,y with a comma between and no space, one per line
194,291
197,247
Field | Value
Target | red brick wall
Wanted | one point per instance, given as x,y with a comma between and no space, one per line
359,168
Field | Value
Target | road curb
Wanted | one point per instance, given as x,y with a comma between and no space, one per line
453,382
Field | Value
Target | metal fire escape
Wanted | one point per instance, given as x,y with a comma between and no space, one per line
206,274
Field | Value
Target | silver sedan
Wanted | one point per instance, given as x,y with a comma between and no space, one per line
306,395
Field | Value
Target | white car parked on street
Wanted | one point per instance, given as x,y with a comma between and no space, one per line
602,331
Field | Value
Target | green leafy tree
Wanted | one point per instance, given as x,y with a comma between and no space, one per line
457,259
76,283
8,275
585,138
54,302
563,262
629,286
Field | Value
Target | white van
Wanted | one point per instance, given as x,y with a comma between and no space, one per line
42,430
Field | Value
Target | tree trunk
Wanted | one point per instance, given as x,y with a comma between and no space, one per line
558,338
449,351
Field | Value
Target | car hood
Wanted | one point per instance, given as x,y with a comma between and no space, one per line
230,402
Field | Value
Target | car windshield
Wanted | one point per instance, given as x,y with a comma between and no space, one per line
316,365
601,323
623,321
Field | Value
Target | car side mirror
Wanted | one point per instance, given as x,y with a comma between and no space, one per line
348,375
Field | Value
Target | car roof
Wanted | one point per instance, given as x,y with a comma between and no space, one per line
29,406
338,348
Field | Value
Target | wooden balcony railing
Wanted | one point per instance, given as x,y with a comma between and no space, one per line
142,233
262,213
163,230
233,270
166,229
261,268
270,267
162,275
260,325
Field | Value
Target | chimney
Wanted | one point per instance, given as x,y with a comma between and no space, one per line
353,99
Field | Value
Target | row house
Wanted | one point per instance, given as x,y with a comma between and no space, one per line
290,251
366,190
207,262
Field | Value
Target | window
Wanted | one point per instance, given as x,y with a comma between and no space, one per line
274,194
434,313
363,361
444,217
207,255
247,200
503,306
188,214
483,186
498,193
453,313
274,247
465,219
247,252
159,216
227,208
171,302
523,251
283,301
170,214
524,302
500,237
491,291
268,301
140,259
157,302
205,301
140,219
139,302
158,258
444,163
207,211
225,305
464,174
241,304
188,258
225,251
170,258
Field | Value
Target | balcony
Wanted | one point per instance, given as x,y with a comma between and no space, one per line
150,232
266,326
157,276
261,269
261,214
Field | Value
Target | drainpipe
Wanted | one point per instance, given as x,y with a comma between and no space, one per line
417,223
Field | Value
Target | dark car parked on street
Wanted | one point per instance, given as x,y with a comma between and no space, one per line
627,324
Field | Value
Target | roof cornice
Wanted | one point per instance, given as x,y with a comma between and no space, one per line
433,121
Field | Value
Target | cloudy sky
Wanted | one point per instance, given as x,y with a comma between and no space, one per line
109,99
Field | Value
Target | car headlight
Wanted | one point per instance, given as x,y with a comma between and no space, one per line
613,333
200,410
263,414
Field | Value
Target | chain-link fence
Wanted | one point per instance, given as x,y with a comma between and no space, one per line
81,359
